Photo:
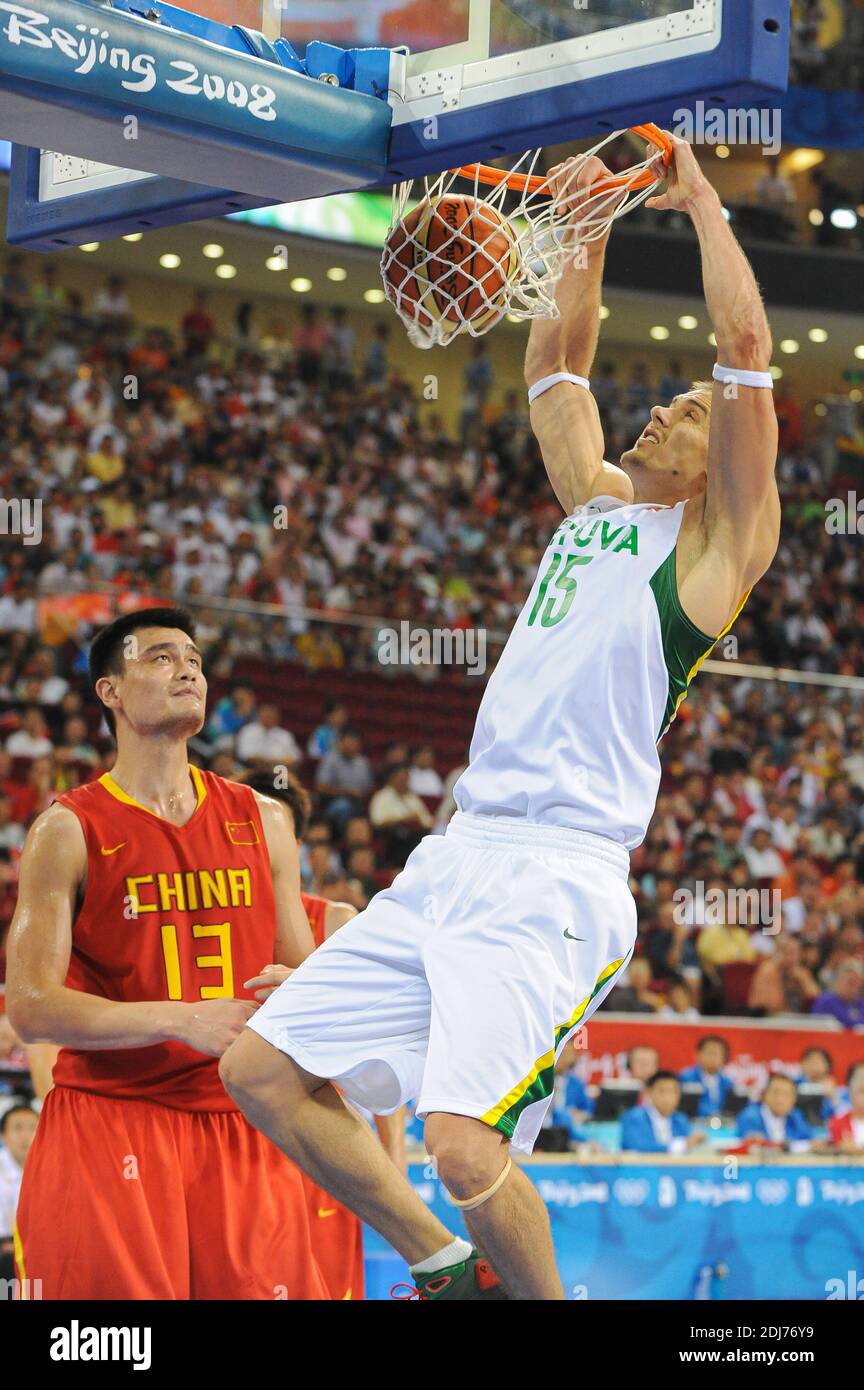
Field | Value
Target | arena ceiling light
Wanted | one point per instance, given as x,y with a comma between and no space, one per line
133,236
604,311
300,285
213,251
856,395
859,352
722,151
170,260
817,335
374,296
777,373
712,339
816,217
89,246
790,346
337,273
820,409
659,333
844,219
226,271
688,322
275,263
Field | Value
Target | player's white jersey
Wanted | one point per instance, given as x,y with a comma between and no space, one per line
596,665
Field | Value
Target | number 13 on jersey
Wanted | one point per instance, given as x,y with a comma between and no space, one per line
550,610
221,932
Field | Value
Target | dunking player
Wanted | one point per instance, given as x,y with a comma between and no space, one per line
146,899
462,982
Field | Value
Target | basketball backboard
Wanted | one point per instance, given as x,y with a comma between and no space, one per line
436,83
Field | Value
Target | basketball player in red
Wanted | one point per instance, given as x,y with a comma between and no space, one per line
337,1234
146,899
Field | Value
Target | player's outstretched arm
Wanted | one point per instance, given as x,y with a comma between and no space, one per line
565,418
742,508
41,1008
294,940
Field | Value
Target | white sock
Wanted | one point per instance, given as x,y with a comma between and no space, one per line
452,1254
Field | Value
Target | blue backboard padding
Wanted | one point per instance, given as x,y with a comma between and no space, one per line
329,125
321,140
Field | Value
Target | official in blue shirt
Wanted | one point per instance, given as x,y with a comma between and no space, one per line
657,1126
712,1054
776,1117
576,1096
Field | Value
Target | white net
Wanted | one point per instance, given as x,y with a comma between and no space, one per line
460,265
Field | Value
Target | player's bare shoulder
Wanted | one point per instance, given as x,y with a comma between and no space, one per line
277,821
55,846
337,916
275,815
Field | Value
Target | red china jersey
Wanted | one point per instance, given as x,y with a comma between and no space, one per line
316,911
169,913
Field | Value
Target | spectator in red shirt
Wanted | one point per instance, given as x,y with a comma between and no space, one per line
846,1132
310,339
197,327
789,418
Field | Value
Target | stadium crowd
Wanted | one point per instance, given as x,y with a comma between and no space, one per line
292,476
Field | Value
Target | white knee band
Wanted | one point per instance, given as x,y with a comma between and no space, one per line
741,378
548,381
470,1203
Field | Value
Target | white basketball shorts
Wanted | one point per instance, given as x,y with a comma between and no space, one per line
461,982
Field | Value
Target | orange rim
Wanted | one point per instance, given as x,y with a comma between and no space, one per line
532,183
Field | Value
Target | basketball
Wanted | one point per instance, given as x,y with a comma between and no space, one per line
450,260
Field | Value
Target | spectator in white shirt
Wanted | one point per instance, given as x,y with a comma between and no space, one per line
61,576
400,815
264,744
424,780
18,609
40,668
785,830
31,740
17,1128
826,840
763,861
112,302
12,834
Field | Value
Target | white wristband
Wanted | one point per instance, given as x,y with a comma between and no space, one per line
742,378
540,386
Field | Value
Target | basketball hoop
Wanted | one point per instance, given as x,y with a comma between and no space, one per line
462,273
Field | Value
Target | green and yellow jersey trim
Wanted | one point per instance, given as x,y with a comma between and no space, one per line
685,646
537,1085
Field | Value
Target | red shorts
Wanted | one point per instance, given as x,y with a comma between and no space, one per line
132,1200
337,1243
